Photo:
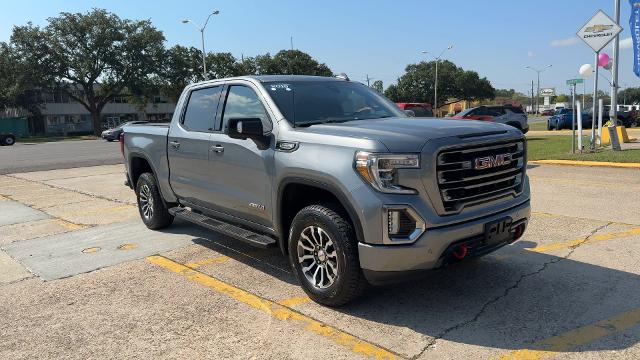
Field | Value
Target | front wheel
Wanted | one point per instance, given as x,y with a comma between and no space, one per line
152,209
324,255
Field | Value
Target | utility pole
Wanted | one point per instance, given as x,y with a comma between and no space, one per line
201,29
435,86
538,71
368,79
614,68
291,39
531,95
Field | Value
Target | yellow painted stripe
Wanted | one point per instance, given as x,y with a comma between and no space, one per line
576,242
69,225
580,336
587,163
216,260
293,301
278,311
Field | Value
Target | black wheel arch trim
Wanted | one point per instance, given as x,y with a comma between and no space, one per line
334,190
132,184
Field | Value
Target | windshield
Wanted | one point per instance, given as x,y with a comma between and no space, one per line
305,103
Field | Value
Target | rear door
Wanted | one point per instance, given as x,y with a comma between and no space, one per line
243,167
188,146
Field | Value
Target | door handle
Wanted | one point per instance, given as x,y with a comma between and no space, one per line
217,149
175,144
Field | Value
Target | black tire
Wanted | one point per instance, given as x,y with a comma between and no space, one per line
110,140
549,128
348,282
8,140
155,215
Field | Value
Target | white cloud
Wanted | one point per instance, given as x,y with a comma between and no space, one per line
626,43
531,54
564,42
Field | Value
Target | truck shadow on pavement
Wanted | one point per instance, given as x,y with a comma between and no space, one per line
511,299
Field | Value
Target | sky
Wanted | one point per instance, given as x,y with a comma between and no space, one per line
496,38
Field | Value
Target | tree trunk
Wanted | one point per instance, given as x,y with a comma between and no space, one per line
96,121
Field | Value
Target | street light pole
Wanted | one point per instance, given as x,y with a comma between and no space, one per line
538,71
435,85
201,29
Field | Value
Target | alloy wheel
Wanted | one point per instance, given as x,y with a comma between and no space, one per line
317,257
146,202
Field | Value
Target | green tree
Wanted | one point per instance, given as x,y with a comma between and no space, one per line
294,62
562,98
378,86
180,68
93,56
629,96
417,84
392,93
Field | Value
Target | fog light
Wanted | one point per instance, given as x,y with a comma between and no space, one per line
394,222
403,225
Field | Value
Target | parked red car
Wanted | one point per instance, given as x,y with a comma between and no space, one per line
419,109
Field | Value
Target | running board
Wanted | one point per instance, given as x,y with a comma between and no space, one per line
251,238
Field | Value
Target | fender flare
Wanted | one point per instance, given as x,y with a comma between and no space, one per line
334,190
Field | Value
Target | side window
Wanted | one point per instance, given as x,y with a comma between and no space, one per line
243,102
201,109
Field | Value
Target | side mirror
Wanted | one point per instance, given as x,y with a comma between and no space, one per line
244,128
410,113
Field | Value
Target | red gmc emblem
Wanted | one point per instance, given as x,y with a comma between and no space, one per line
489,162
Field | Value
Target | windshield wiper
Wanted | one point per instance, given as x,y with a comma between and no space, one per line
320,122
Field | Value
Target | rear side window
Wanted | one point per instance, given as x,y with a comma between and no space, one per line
201,109
243,102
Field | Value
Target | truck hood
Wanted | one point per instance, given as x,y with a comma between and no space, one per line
405,134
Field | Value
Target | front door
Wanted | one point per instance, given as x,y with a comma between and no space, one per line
242,168
188,147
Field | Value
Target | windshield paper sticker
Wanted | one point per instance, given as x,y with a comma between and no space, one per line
276,87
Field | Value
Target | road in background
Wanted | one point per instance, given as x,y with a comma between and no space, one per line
23,157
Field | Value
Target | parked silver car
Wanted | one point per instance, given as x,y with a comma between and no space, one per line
503,114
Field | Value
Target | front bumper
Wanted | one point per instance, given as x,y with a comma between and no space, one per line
384,263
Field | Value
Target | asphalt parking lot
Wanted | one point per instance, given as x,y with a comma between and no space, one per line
81,277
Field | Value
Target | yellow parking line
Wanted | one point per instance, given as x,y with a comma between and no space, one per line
69,225
293,301
595,238
216,260
587,163
580,336
278,311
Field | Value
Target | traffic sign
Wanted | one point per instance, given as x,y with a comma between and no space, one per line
599,31
574,81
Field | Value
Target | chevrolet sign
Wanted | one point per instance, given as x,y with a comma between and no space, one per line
599,31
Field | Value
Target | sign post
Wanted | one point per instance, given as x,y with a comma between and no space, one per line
597,33
573,83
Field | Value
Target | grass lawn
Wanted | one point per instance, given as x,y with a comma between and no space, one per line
559,148
538,126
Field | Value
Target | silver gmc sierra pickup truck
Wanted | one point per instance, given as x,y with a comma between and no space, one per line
349,187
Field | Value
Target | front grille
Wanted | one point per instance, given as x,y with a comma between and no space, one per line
474,174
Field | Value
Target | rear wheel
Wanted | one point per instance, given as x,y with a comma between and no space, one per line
153,211
8,140
324,255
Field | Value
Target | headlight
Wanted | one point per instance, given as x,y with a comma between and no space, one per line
379,170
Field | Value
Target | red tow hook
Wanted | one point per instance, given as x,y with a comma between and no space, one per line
461,252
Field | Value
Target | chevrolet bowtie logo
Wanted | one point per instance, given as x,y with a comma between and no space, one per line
598,28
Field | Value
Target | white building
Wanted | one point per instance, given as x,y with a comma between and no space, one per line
63,115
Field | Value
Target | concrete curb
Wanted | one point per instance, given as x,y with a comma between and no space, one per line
587,163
